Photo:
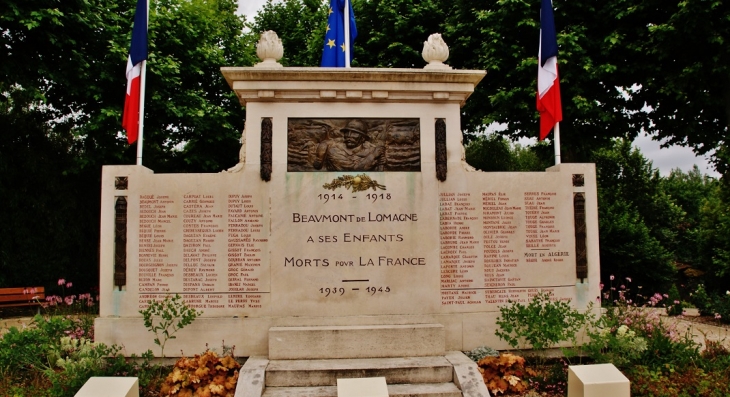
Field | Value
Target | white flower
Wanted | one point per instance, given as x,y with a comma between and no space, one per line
621,331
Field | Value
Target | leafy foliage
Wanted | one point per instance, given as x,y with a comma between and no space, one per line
637,218
542,324
300,24
505,373
167,316
62,117
202,376
495,153
481,352
47,358
675,306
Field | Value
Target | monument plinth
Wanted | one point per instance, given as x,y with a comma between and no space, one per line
352,205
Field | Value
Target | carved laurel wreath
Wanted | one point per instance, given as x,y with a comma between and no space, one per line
357,183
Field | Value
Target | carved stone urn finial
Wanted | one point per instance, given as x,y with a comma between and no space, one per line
435,52
269,49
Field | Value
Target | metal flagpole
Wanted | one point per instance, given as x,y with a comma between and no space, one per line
142,89
347,33
140,136
556,133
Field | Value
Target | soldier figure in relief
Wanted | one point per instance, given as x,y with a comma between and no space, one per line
352,152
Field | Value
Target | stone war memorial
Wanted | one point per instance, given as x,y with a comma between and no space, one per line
351,228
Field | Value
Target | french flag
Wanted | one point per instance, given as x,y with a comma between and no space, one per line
548,84
137,54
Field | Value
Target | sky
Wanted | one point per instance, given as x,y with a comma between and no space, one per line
665,159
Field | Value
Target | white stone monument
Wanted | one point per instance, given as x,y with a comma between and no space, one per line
352,206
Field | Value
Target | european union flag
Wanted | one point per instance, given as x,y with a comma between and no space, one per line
333,54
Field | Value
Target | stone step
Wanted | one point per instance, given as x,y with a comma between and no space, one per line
400,390
357,341
326,372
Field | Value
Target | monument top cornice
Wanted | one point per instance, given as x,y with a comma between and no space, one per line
263,84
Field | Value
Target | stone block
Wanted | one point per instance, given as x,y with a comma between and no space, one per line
599,380
251,377
306,373
109,386
362,387
411,340
467,376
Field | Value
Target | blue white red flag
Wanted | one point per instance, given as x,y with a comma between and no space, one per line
137,54
548,84
333,54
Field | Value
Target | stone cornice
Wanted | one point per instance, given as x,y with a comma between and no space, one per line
257,84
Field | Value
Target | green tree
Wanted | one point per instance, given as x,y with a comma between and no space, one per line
690,191
391,32
637,219
300,24
683,70
495,153
61,96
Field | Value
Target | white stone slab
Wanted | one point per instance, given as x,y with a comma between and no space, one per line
251,378
361,341
109,386
362,387
599,380
467,376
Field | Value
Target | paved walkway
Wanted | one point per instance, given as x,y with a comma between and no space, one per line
700,331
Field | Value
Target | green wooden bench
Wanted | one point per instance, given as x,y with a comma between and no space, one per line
11,297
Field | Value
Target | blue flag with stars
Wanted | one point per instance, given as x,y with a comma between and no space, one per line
333,54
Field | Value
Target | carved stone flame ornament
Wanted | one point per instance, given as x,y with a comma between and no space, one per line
269,49
266,139
581,252
435,52
441,157
120,242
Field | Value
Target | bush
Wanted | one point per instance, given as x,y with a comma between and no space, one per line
702,301
505,373
481,352
674,307
629,334
542,324
202,375
49,359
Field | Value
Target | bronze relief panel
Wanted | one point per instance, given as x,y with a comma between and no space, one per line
338,144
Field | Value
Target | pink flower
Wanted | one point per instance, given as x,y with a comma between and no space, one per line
717,316
628,279
676,302
622,286
611,277
69,284
69,300
601,285
61,281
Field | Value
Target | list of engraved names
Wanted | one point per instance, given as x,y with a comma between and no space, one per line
491,243
205,247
